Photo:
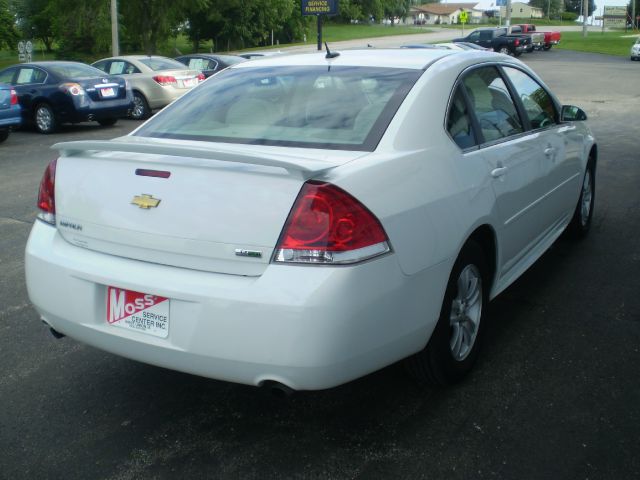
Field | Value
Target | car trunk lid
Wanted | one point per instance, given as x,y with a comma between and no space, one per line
104,88
212,207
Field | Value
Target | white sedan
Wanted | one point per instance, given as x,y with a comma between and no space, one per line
301,221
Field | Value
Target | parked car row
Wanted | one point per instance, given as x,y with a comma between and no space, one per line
513,40
47,94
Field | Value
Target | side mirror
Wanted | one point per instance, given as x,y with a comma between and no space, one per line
571,113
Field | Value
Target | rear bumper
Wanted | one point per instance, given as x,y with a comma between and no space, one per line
100,110
161,96
306,327
10,117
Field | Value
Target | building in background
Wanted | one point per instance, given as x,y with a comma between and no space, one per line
444,13
522,10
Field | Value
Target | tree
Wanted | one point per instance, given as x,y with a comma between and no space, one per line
82,28
150,22
575,6
239,23
8,33
396,8
34,20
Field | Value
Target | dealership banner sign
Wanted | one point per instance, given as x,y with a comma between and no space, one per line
319,7
615,15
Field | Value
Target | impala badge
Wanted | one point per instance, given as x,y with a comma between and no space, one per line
241,252
145,201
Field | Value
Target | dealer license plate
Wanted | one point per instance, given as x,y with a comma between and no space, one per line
108,92
141,312
188,82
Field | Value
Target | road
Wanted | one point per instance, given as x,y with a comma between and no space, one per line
555,394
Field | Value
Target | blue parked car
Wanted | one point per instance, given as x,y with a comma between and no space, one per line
51,93
9,111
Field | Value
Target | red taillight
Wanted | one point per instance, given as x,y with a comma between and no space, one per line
201,77
517,42
165,79
14,97
46,194
327,225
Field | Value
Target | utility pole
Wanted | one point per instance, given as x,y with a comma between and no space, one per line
115,48
585,15
507,20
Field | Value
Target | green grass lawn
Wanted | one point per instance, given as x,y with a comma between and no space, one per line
337,33
609,43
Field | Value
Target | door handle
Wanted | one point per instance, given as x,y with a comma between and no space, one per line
498,172
549,151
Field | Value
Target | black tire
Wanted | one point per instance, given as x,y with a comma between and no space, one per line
107,122
437,364
504,50
45,119
4,134
140,110
517,54
546,47
583,214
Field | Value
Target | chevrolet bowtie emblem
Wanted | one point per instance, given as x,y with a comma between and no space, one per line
145,201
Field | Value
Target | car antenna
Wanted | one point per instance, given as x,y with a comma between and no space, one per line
330,54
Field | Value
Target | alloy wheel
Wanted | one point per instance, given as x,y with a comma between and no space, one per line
466,312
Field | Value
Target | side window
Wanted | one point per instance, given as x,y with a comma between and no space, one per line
536,100
474,37
486,35
197,64
120,67
493,106
101,65
117,67
458,121
212,65
7,75
30,75
39,76
130,68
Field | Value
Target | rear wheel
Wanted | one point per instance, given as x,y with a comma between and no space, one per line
45,119
504,50
546,47
581,221
140,109
107,122
4,134
453,347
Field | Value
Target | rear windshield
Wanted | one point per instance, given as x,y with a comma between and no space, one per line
75,70
159,63
346,108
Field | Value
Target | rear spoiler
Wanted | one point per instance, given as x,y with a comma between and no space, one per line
297,166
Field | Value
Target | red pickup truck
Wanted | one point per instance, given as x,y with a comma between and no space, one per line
550,38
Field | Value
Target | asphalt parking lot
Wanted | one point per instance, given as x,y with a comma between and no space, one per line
555,394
